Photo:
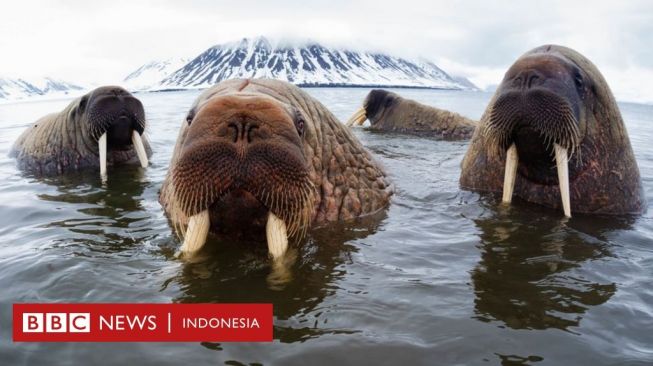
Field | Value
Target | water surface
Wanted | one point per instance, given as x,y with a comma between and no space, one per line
444,276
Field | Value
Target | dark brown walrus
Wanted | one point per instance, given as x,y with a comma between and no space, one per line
388,111
556,128
103,126
256,154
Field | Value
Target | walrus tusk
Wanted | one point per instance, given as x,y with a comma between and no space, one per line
140,149
277,235
102,147
562,163
358,118
198,229
510,173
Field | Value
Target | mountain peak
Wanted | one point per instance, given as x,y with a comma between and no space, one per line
152,73
302,62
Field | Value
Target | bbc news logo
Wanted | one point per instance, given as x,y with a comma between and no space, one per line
142,322
56,322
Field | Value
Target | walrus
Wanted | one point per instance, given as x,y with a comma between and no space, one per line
103,127
262,155
388,111
555,127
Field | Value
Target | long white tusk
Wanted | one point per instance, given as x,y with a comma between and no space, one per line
102,147
510,173
562,163
140,149
198,229
357,118
277,236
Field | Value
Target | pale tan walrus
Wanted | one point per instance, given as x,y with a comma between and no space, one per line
103,127
388,111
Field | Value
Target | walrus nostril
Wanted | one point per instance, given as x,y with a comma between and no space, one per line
117,92
242,131
236,131
527,79
249,132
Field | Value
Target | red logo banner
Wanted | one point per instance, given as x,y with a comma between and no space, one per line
142,322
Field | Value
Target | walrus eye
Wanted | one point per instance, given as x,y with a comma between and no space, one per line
189,117
388,102
299,123
578,80
82,103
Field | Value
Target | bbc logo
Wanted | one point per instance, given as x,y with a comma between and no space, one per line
56,322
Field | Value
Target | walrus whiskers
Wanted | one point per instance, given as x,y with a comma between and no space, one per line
293,220
498,129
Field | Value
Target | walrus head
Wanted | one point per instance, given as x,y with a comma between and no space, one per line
241,167
555,122
377,105
538,118
116,120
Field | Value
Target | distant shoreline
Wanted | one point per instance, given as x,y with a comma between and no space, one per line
305,85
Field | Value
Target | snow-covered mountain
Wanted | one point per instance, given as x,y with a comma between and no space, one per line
304,64
17,89
151,74
466,82
52,86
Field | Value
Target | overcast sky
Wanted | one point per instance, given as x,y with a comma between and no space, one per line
99,42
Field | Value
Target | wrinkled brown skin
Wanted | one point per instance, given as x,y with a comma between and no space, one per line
604,180
213,149
388,111
63,142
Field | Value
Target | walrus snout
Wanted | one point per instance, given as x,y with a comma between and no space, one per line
547,76
117,120
107,111
378,102
241,166
550,116
376,105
